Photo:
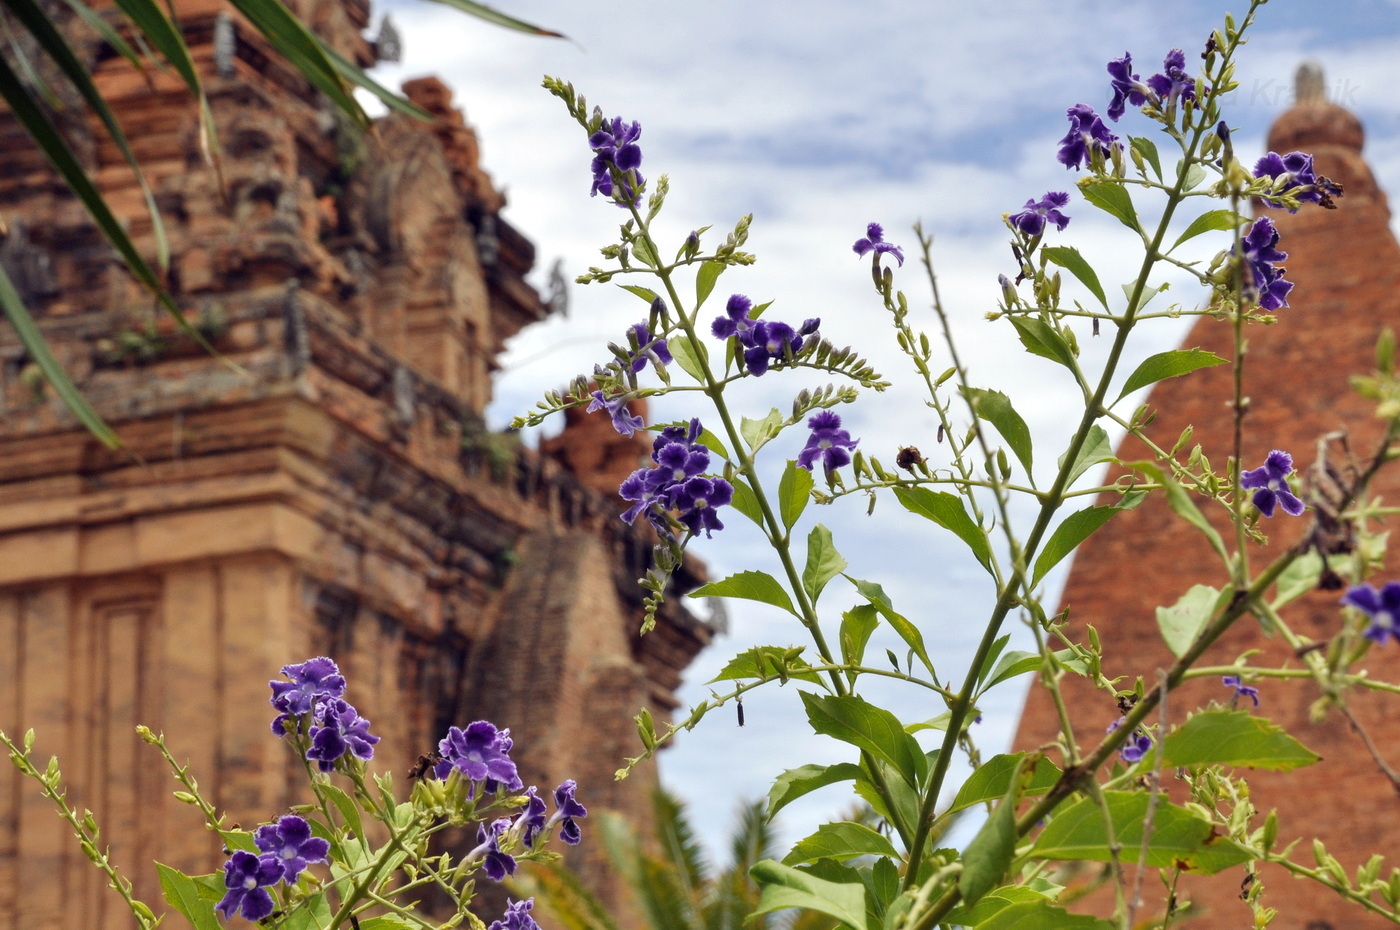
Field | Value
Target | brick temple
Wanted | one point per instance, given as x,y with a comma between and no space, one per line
327,486
1346,265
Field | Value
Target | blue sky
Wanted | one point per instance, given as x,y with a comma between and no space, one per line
820,117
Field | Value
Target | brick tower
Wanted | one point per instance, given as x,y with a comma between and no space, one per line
333,490
1346,265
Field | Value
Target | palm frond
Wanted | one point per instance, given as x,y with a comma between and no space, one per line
571,906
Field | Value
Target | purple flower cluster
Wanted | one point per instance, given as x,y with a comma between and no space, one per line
1241,689
650,348
1171,85
482,754
615,148
1138,745
828,443
1270,485
623,420
1030,222
284,848
1301,181
644,347
1383,607
676,482
1265,284
336,727
1088,135
517,916
874,241
760,342
525,829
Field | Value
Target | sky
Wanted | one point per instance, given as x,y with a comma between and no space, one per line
818,118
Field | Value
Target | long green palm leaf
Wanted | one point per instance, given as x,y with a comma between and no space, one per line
491,15
295,42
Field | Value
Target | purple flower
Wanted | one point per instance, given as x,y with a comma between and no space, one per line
771,341
623,420
1383,607
1173,83
289,842
874,241
1087,135
1271,484
495,863
1241,689
246,877
517,916
568,809
531,821
615,148
735,321
697,501
1127,87
1031,220
829,443
337,728
1296,168
648,490
1265,284
311,681
480,753
1138,745
650,348
678,462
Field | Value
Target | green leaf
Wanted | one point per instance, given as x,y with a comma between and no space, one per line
745,502
357,76
907,631
705,280
794,783
1171,364
947,511
853,720
1148,150
641,250
840,841
1018,908
1040,338
289,36
1068,258
343,803
1235,738
712,442
760,662
1180,837
691,356
496,17
34,343
1298,578
1113,198
645,293
757,433
1096,449
823,562
794,493
1207,222
190,896
1076,528
1180,502
995,407
987,858
1194,176
387,922
785,887
856,626
1182,622
993,780
751,585
1017,662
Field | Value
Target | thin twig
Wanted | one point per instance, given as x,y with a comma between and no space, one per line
1360,731
1153,798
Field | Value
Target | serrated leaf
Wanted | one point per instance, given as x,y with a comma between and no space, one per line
1040,338
853,720
947,511
1112,198
794,493
907,631
989,854
745,502
689,355
803,780
1148,150
758,662
785,887
823,562
1068,258
1076,528
188,896
757,433
1096,449
1016,907
705,280
1180,837
1182,622
995,407
840,841
750,585
1235,738
1165,365
856,626
993,780
1211,220
645,293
